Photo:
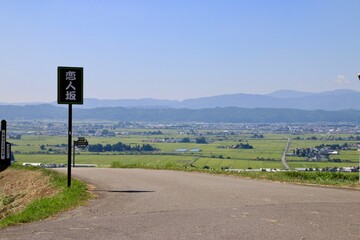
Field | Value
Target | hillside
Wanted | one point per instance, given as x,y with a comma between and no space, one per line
226,114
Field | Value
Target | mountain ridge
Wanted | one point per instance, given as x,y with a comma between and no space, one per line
210,115
340,99
329,100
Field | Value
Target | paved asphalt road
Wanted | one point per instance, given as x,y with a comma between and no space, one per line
147,204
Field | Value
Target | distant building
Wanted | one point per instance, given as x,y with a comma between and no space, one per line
195,150
15,136
181,150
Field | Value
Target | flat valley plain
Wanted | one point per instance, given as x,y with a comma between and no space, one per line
217,153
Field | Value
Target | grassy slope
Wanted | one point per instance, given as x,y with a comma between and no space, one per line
42,208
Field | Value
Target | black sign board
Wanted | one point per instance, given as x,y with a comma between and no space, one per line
5,147
81,142
3,140
70,85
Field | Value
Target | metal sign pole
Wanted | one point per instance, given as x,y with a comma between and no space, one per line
74,144
69,144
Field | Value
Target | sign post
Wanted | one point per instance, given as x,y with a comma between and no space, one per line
70,91
80,143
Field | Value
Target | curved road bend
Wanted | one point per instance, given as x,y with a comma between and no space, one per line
150,204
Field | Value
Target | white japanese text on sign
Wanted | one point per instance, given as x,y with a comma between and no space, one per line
70,85
70,95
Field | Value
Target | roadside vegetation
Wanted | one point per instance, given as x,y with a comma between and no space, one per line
338,179
55,198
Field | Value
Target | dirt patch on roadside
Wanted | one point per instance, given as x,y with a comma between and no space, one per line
20,187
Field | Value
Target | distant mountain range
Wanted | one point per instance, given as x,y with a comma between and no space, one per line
280,106
331,101
210,115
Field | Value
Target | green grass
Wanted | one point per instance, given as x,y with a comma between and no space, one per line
318,178
167,166
305,164
65,199
217,163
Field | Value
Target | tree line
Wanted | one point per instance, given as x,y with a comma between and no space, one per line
121,147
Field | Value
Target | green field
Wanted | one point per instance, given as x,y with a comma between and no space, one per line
266,152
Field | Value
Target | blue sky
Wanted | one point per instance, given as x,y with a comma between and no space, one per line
178,49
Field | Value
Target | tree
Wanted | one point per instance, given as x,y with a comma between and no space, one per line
95,148
185,140
243,146
200,140
258,136
147,148
108,148
120,147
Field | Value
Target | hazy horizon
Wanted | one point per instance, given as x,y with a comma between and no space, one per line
178,100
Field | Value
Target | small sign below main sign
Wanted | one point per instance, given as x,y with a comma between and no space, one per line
81,142
70,85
